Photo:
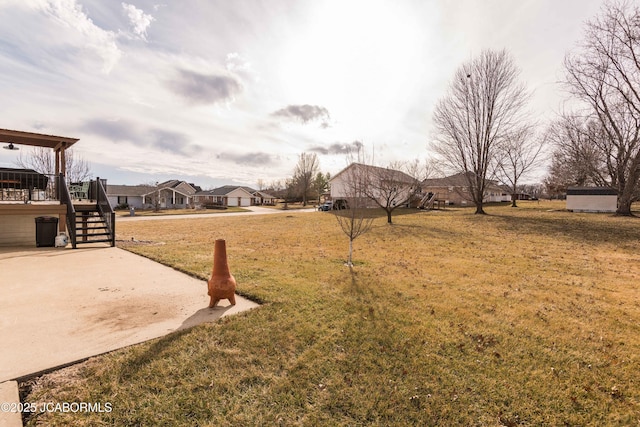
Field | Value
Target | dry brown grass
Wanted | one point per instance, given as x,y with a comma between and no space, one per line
526,316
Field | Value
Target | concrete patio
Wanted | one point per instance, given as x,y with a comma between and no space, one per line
60,306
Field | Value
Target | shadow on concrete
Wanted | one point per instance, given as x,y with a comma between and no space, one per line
203,315
30,252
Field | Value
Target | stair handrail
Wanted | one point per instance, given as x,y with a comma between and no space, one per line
105,210
65,198
431,201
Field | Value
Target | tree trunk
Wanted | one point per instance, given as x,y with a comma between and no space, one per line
479,210
624,205
389,217
514,197
350,262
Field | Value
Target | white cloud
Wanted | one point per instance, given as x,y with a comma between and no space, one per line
70,14
139,20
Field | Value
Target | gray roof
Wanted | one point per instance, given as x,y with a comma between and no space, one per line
460,180
457,180
224,190
264,195
183,187
128,190
386,173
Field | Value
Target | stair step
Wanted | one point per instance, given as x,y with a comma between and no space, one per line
80,242
92,234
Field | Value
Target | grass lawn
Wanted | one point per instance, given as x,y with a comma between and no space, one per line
527,316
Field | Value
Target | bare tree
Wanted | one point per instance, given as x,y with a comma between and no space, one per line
356,220
484,105
305,172
604,73
521,153
390,188
41,159
576,159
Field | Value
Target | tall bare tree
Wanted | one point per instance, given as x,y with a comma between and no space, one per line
42,160
305,172
604,73
521,153
483,107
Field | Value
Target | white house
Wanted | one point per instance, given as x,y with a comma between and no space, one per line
128,195
592,199
228,195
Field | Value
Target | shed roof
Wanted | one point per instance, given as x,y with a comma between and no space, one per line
591,191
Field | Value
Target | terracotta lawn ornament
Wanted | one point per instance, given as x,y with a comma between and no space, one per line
222,284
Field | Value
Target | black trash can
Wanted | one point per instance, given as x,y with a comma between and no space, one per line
46,230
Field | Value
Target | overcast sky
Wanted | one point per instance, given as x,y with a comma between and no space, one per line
220,92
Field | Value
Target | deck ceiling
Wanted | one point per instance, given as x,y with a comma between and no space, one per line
36,139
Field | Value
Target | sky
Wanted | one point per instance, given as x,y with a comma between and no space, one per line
220,92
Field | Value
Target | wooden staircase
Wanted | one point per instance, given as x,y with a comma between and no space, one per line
90,226
91,221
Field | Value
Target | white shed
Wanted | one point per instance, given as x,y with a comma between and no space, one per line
592,199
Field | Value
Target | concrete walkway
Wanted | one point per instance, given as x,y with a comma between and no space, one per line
253,210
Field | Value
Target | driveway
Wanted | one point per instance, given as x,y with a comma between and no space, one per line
59,306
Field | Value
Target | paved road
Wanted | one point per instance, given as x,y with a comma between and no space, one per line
254,210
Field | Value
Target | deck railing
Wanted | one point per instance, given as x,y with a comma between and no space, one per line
26,185
104,207
65,198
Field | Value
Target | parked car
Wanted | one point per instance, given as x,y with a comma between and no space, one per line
326,206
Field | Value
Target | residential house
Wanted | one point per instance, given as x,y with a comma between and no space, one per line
454,190
174,194
592,199
228,195
233,195
262,198
366,182
132,196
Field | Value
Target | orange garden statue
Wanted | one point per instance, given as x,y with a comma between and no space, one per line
222,284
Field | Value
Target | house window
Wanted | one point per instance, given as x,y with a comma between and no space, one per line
122,200
179,200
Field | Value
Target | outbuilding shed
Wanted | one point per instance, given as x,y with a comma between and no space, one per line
592,199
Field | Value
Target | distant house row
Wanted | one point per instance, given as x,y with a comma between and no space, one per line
454,190
451,190
176,194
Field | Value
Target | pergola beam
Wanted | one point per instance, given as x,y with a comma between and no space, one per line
58,144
